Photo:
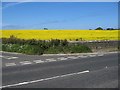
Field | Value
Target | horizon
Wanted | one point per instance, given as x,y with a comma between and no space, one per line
59,15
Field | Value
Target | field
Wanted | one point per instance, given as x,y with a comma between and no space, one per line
62,34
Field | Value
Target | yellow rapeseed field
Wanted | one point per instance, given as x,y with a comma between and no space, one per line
63,34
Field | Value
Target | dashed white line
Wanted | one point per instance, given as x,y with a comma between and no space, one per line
41,80
92,55
47,60
25,62
38,61
100,54
1,56
10,64
8,57
83,56
73,57
12,57
62,58
50,60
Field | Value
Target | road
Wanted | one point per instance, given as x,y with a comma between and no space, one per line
60,71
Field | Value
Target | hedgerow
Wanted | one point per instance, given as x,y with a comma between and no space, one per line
40,47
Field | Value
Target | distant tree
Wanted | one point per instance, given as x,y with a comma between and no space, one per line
99,28
45,28
110,29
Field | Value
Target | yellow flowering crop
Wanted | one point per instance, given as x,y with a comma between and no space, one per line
63,34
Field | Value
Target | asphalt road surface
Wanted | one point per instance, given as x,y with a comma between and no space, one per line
60,71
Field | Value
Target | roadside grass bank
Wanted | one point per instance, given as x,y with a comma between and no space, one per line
39,47
0,46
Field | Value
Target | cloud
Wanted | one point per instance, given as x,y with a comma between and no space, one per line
10,4
8,26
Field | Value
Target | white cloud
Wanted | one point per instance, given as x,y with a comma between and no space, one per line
14,3
10,4
10,26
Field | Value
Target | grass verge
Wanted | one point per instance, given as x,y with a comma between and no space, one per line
39,47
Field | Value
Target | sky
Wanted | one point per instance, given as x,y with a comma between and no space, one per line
60,0
59,15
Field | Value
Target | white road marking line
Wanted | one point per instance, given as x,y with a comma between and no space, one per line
62,58
8,57
92,55
10,64
73,57
25,62
41,80
12,58
83,56
50,60
38,61
100,54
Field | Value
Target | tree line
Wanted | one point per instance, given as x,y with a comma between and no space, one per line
100,28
